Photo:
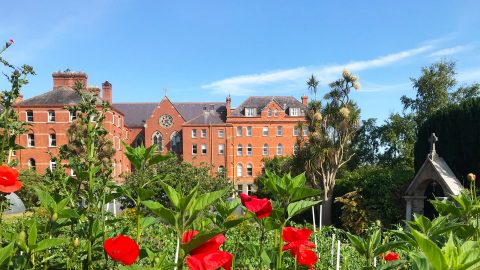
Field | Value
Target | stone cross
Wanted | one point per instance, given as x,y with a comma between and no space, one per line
432,140
165,92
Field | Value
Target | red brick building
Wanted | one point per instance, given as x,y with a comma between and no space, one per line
229,140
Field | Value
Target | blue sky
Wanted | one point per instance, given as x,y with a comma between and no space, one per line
205,50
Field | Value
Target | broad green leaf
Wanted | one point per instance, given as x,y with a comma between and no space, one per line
172,194
163,212
299,180
61,204
147,221
374,240
389,246
300,193
49,243
358,243
392,265
230,223
32,234
186,201
157,159
298,207
144,194
68,213
205,200
6,252
46,200
199,239
431,250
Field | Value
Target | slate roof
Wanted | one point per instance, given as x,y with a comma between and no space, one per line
135,114
62,95
260,102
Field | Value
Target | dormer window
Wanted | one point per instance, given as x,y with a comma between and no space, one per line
294,111
250,112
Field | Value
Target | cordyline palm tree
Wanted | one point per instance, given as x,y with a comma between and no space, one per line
327,147
312,86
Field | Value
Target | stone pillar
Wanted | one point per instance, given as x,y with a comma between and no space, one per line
408,212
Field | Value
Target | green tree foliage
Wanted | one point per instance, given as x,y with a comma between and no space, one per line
365,144
328,148
381,190
458,130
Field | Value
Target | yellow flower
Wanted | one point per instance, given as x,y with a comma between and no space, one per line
346,73
317,116
472,177
345,112
354,78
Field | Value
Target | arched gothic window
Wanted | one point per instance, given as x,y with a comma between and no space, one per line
158,140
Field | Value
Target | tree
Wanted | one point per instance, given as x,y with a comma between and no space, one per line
312,85
365,144
465,92
328,147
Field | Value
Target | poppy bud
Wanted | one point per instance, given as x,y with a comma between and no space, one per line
54,217
471,177
9,43
157,260
76,243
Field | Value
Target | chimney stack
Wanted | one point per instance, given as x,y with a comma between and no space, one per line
107,92
305,100
68,79
229,101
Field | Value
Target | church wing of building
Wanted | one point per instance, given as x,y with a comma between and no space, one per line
230,141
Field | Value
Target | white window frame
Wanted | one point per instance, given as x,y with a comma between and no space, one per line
294,111
239,188
221,133
203,133
239,170
239,131
279,131
31,140
249,149
269,113
265,149
194,133
221,149
296,131
249,189
29,118
51,116
265,131
239,149
249,131
305,131
279,149
72,116
194,147
204,149
275,113
53,164
250,112
52,140
249,170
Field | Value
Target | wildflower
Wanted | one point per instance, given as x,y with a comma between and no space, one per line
9,43
9,179
260,207
299,245
207,256
354,78
345,112
346,73
317,116
391,256
122,249
471,177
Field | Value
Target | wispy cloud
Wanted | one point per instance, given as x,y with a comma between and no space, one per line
290,78
469,75
450,51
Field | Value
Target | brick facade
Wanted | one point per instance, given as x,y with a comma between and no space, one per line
229,140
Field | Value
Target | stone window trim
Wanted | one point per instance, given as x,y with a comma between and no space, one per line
51,116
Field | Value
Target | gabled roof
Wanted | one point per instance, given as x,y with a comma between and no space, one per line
191,110
62,95
135,114
434,168
260,102
210,117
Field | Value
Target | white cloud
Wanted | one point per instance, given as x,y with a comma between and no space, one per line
469,75
450,51
291,79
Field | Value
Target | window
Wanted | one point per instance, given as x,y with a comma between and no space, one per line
249,170
158,140
265,131
176,142
294,111
265,149
239,131
221,171
295,131
194,149
295,149
204,149
29,116
249,150
204,133
119,121
194,133
275,113
269,113
239,169
239,150
250,112
279,131
221,149
32,164
72,116
221,133
52,140
51,116
53,164
279,149
113,119
249,131
250,189
239,189
305,130
30,140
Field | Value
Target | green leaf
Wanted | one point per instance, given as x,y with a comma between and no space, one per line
68,213
358,243
157,159
205,200
172,194
230,223
161,211
144,194
186,201
46,200
298,207
300,193
32,234
299,180
136,267
199,239
431,250
392,265
49,243
147,221
62,204
6,252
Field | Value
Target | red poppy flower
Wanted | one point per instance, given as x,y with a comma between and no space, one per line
260,207
207,256
391,256
299,245
9,179
122,249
